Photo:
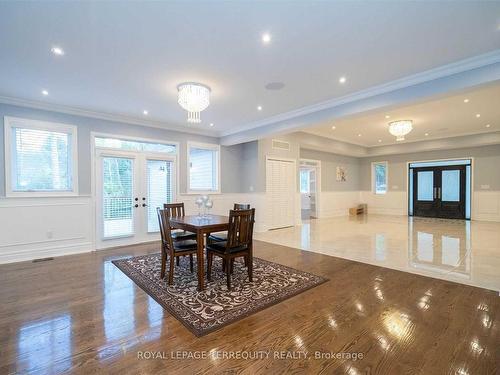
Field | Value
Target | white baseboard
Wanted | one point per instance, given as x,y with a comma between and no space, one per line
46,252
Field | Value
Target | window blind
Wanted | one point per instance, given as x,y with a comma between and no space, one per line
118,190
160,189
41,160
203,169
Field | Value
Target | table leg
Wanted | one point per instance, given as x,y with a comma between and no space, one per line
200,261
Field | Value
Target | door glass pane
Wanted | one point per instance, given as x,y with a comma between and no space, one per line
117,194
160,189
304,181
425,186
451,186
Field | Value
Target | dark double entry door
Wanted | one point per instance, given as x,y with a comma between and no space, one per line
439,191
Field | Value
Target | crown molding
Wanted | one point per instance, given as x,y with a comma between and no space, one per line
443,71
76,111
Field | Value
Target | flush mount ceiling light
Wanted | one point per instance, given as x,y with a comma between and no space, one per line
400,128
58,51
194,98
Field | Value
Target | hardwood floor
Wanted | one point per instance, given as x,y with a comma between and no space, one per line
81,314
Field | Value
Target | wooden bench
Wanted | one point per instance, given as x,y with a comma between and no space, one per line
361,209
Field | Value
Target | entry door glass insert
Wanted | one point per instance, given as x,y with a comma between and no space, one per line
450,184
425,191
117,177
160,189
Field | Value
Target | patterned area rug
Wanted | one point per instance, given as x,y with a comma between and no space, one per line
215,307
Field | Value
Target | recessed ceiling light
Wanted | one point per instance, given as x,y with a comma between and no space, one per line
334,127
488,125
478,115
58,51
466,100
266,38
145,112
211,124
426,134
387,116
259,108
379,141
342,79
359,135
45,92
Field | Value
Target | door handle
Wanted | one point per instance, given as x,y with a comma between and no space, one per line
439,193
434,195
144,205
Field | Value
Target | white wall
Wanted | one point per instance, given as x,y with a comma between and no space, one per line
35,228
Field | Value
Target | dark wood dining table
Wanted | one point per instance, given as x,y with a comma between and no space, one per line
201,226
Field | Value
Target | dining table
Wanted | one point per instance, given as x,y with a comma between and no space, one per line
202,225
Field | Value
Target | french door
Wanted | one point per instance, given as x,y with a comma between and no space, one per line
130,186
439,191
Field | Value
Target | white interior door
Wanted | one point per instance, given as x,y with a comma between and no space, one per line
130,186
281,192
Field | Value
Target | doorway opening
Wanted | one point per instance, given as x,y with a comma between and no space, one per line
440,189
309,174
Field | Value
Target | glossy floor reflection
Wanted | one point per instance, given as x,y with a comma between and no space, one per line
80,314
466,252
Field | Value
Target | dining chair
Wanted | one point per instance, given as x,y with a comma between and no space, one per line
239,243
177,209
222,236
171,249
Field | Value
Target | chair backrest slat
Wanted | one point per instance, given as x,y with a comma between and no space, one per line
165,229
240,232
174,209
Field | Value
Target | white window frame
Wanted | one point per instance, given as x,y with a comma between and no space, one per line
206,146
374,188
15,122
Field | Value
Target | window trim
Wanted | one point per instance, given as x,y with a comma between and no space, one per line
17,122
206,146
386,164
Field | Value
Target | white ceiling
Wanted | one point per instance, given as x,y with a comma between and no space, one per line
440,118
122,58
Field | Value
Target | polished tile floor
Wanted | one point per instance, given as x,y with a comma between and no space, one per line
466,252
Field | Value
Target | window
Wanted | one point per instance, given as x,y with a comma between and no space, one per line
379,177
305,178
40,158
203,162
131,145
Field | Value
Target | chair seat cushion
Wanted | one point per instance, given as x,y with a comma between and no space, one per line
183,235
220,247
185,245
218,236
